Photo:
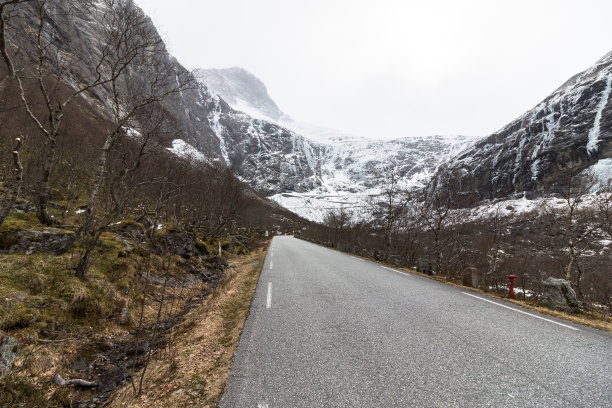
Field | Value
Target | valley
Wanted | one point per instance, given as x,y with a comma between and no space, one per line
142,202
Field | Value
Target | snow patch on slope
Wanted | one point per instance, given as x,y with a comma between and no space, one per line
602,171
186,151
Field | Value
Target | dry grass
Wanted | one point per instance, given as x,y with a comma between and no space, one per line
194,369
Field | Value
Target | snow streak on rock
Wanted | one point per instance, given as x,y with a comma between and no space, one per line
596,131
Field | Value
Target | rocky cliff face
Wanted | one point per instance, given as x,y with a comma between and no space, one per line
306,168
571,130
75,33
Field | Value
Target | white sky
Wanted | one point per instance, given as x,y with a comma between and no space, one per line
393,68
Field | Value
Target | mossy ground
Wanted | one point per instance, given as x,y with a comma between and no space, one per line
60,319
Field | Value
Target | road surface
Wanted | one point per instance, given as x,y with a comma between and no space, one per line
327,329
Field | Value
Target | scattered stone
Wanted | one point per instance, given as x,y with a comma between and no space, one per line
559,295
9,351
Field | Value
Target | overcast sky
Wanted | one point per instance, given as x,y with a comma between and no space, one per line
393,68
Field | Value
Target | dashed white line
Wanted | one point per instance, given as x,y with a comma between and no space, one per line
395,270
269,298
359,259
520,311
271,263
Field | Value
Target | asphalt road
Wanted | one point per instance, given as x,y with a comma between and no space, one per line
330,330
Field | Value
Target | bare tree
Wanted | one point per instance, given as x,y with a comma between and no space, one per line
133,44
494,252
57,82
337,222
6,12
576,220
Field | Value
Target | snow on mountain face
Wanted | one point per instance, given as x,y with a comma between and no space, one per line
310,169
242,90
570,130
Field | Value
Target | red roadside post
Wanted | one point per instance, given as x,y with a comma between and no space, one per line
512,278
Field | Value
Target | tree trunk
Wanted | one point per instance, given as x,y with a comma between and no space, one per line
17,181
89,221
45,188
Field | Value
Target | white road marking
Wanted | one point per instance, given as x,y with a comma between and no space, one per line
520,311
262,405
269,298
395,270
271,263
359,259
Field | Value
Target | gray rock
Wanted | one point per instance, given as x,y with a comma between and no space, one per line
53,240
9,351
179,243
559,295
125,317
424,266
469,277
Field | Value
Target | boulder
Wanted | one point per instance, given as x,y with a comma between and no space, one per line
469,277
179,243
559,295
129,229
9,351
424,266
56,241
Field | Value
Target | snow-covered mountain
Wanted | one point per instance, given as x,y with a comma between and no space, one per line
569,131
243,91
310,169
231,118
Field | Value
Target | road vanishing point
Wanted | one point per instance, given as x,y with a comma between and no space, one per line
327,329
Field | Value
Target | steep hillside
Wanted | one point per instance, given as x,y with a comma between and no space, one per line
571,130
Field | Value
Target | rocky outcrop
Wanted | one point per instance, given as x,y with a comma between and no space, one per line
53,240
568,131
559,295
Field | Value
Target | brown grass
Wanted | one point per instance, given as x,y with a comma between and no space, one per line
195,367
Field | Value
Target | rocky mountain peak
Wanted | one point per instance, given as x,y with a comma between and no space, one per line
242,90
